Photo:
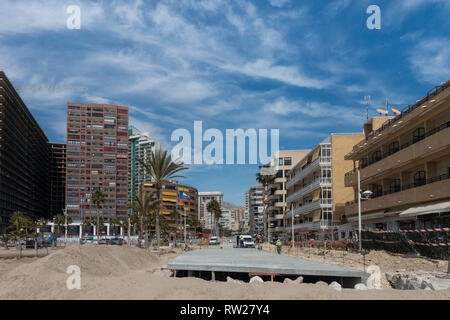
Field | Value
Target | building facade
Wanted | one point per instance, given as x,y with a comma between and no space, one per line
275,193
256,209
97,159
316,194
140,146
405,162
204,198
57,177
169,193
24,158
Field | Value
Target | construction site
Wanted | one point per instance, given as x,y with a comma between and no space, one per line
124,272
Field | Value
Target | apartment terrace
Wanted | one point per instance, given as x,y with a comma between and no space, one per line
406,115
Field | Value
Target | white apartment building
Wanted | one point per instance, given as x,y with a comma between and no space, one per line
204,198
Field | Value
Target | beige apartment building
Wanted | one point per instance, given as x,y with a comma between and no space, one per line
275,193
405,162
316,194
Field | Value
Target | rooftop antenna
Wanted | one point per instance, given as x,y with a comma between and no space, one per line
367,98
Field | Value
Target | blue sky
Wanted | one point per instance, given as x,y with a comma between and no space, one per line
303,67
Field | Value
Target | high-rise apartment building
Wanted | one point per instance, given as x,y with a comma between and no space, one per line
405,162
97,159
256,209
204,198
24,158
57,177
140,146
275,193
316,194
227,221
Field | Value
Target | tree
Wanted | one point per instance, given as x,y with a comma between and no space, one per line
58,220
98,198
214,208
86,224
19,224
265,180
114,222
159,167
143,206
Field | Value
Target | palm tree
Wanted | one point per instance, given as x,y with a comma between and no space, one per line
58,220
214,208
159,167
265,180
86,224
98,198
115,222
143,206
19,224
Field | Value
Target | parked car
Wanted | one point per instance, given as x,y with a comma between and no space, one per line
214,240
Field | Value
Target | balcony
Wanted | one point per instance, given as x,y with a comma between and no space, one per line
435,188
435,140
406,115
276,217
300,175
304,208
322,182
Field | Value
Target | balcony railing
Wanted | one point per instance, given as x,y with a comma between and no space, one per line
432,93
322,182
396,189
303,173
404,146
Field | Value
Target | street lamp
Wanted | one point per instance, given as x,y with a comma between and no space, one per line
367,194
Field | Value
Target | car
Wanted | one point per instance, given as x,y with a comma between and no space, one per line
214,240
248,242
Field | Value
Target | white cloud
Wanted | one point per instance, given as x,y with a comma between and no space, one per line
430,60
278,3
288,74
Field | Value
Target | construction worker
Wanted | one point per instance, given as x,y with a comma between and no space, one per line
259,242
279,244
241,242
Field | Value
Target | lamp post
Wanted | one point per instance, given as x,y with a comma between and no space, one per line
367,195
65,222
292,227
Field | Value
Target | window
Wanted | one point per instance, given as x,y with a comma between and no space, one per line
393,147
288,161
376,156
418,134
280,161
394,186
419,178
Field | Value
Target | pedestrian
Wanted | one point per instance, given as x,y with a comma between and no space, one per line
279,244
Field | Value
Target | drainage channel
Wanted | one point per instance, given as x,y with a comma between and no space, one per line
345,282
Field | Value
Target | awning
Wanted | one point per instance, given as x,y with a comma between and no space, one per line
427,209
375,215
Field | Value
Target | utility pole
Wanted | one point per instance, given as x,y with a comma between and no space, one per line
292,228
367,98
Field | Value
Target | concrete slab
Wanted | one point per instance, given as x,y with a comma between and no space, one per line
255,261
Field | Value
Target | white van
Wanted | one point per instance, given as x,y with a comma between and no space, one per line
214,240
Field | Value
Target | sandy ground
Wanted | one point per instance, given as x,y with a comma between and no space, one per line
113,272
388,262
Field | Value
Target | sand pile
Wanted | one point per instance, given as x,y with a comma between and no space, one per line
47,276
113,272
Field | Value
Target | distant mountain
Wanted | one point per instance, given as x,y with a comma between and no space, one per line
229,205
